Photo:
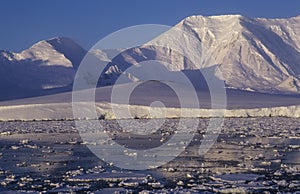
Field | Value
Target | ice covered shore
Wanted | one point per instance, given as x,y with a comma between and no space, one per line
61,111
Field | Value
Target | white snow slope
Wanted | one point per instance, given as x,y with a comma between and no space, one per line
251,54
59,106
47,64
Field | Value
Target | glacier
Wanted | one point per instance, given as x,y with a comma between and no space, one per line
63,111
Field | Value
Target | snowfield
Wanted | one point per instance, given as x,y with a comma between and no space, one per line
63,111
59,106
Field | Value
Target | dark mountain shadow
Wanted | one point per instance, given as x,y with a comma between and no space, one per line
133,56
28,78
70,49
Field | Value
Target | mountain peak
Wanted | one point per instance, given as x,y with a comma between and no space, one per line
219,22
61,41
69,48
61,51
54,42
216,17
296,17
229,16
6,54
257,53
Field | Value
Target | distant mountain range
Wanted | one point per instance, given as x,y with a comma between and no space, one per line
261,55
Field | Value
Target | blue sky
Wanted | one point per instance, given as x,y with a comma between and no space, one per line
25,22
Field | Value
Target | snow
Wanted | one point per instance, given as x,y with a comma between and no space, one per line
45,65
150,99
254,53
58,111
44,52
250,55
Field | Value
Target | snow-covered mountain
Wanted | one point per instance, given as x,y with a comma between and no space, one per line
259,54
47,64
251,54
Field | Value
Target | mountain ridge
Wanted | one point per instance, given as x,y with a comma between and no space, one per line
253,54
250,43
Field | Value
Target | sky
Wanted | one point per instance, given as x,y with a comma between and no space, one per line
25,22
